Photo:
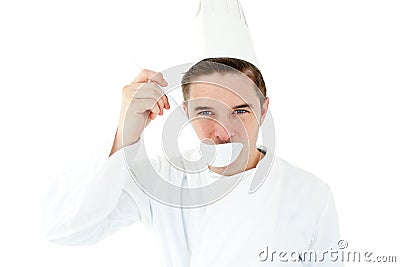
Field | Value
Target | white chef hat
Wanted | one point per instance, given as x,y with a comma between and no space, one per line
220,30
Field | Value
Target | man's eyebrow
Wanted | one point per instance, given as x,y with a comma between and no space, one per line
202,108
242,106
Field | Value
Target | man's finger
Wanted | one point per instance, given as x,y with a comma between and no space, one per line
148,75
145,104
150,89
159,78
144,76
156,110
166,102
161,105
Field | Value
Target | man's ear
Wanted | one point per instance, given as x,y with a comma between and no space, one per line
264,110
185,108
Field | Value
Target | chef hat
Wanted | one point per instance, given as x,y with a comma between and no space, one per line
220,30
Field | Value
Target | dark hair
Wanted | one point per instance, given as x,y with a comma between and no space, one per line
226,64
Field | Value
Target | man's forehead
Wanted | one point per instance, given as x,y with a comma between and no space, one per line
230,88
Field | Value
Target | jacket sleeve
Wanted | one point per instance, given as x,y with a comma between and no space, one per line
93,201
325,237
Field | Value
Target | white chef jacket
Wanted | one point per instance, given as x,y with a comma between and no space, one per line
293,210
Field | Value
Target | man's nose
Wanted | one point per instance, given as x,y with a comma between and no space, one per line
224,131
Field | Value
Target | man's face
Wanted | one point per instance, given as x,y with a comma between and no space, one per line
226,108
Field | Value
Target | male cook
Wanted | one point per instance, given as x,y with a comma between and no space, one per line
290,220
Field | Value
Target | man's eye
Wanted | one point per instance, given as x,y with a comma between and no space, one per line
241,111
205,113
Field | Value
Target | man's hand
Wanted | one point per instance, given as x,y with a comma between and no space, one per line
142,101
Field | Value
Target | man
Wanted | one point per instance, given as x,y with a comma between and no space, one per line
223,85
225,99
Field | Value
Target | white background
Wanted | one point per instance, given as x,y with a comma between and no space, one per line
332,69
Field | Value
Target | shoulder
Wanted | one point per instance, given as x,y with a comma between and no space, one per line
299,188
296,178
305,204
